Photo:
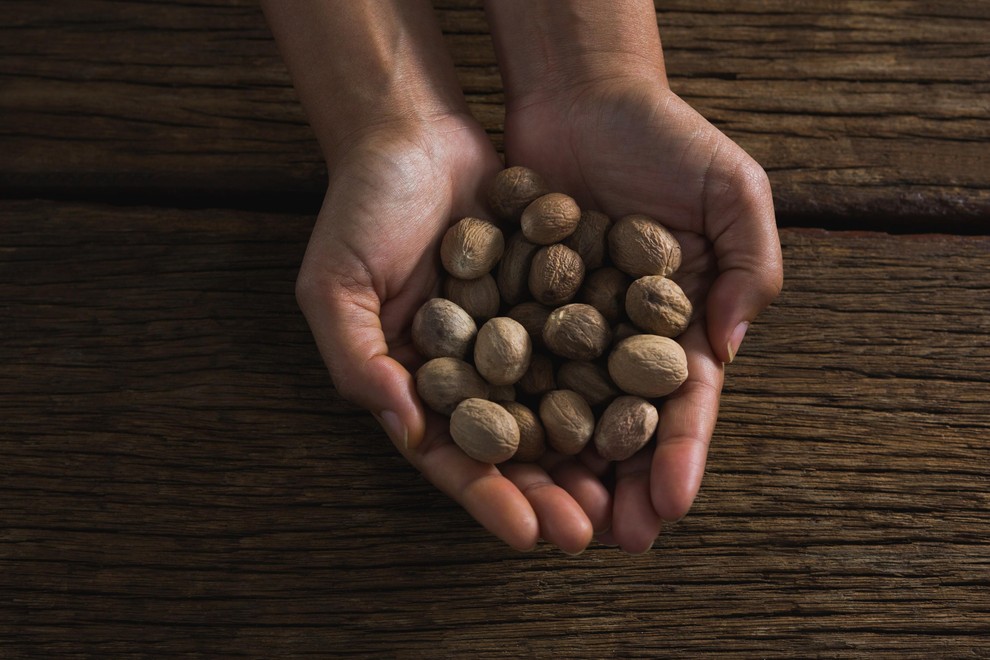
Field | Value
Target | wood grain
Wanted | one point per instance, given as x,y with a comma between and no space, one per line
178,477
862,111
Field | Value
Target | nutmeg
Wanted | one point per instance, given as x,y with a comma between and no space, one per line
658,305
513,189
556,274
605,290
513,270
577,332
485,430
590,238
532,316
648,365
626,426
502,351
532,438
441,328
444,382
471,248
478,297
567,420
539,378
588,379
639,245
550,219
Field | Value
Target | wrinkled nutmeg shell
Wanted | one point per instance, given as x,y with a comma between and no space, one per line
577,332
513,189
444,382
605,290
590,238
471,247
648,365
532,437
502,351
513,270
567,420
658,305
556,274
539,378
550,219
441,328
485,430
532,316
588,379
639,245
478,297
626,426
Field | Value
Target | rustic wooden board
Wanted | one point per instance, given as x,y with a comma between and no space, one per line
178,476
865,110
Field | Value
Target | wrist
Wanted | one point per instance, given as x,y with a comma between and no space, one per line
549,49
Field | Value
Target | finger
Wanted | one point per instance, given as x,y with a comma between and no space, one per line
562,521
687,420
587,490
739,220
342,307
635,523
489,497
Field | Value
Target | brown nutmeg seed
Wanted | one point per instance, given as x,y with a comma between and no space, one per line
577,332
539,378
648,365
513,270
590,238
478,297
588,379
532,438
471,248
639,245
444,382
502,351
626,426
513,189
605,290
556,274
567,420
485,430
441,328
658,305
550,219
532,316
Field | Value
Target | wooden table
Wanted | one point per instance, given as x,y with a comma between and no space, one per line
177,475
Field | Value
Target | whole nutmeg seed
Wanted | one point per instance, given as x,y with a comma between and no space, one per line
471,247
532,438
502,351
588,379
485,430
444,382
605,290
550,219
513,189
478,297
556,274
532,316
658,305
625,427
513,270
577,332
639,245
538,379
567,420
441,328
501,393
590,238
648,365
623,330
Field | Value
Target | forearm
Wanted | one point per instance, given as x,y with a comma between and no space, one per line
549,46
357,64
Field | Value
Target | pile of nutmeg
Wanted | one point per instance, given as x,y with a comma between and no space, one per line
577,316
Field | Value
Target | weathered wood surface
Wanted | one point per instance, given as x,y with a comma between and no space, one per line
177,475
867,110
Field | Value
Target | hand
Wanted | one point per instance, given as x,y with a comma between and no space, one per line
630,145
372,260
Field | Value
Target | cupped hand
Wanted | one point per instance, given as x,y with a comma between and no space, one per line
633,146
372,260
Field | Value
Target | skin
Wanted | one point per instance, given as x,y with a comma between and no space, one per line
588,106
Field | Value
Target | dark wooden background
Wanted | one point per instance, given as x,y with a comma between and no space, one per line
177,475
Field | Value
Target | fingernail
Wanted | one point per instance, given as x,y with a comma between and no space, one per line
736,338
394,428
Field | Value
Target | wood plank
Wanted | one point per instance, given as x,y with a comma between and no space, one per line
179,477
862,108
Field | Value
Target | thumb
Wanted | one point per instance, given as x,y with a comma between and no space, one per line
343,314
744,233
